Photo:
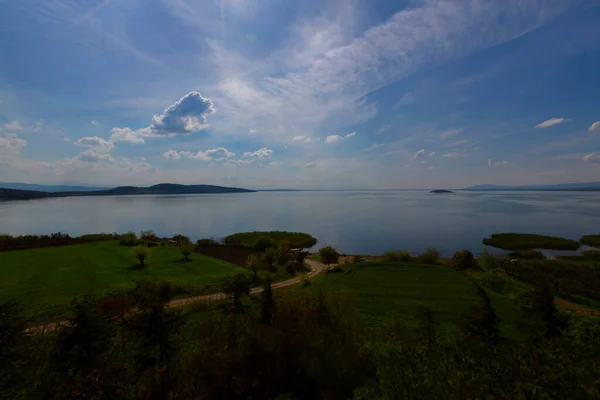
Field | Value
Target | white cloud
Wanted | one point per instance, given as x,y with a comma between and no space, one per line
92,156
39,124
171,155
125,135
450,133
13,126
332,138
260,153
11,144
374,146
383,129
142,167
592,158
552,122
219,154
252,131
451,155
94,122
98,143
311,164
431,154
594,127
186,115
351,134
419,154
491,163
303,138
405,100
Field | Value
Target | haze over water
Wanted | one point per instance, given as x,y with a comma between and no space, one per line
368,222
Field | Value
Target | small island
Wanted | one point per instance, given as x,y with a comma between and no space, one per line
441,191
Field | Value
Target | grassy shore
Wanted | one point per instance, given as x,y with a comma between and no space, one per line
523,241
591,240
50,278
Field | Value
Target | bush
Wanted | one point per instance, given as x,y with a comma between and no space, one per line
527,255
397,255
141,253
429,256
305,278
464,259
181,239
128,239
148,236
591,254
206,242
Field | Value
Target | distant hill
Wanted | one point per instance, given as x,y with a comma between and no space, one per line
161,188
584,186
49,188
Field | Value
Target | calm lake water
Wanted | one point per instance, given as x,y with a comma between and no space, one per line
368,222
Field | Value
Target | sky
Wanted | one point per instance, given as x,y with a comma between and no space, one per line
342,94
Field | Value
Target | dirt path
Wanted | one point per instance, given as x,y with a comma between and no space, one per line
316,268
577,308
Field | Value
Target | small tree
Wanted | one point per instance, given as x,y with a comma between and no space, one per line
181,239
270,257
328,256
186,249
254,264
141,253
235,288
464,259
148,236
429,256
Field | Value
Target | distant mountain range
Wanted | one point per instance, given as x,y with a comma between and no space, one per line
584,186
50,188
161,188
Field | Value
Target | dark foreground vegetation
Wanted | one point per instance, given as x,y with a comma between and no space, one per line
161,188
524,241
591,240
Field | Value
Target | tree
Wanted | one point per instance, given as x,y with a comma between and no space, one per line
429,256
254,263
186,249
328,256
264,242
236,287
181,239
267,303
141,253
464,260
270,256
148,236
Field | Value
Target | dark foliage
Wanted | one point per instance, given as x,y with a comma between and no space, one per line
328,256
527,255
296,240
235,288
522,241
481,325
398,255
23,242
429,256
463,260
591,240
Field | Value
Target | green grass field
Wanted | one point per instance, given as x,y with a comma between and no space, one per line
50,278
384,290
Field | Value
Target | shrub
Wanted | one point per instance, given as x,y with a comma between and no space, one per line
141,253
527,255
206,242
148,236
128,239
293,267
181,239
305,278
464,259
591,253
429,256
186,249
397,255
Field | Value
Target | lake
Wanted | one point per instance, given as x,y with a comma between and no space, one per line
368,222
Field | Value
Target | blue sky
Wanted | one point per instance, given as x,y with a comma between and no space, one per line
311,94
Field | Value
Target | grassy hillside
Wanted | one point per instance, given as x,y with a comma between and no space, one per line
51,277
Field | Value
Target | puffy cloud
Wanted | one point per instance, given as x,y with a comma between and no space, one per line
171,155
351,134
311,164
451,155
332,138
98,143
419,154
187,115
142,167
594,127
125,135
592,158
13,126
260,153
11,144
552,122
92,156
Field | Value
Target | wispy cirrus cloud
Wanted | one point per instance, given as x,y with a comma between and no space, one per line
552,122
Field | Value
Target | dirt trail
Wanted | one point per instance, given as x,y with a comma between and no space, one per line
316,268
576,307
